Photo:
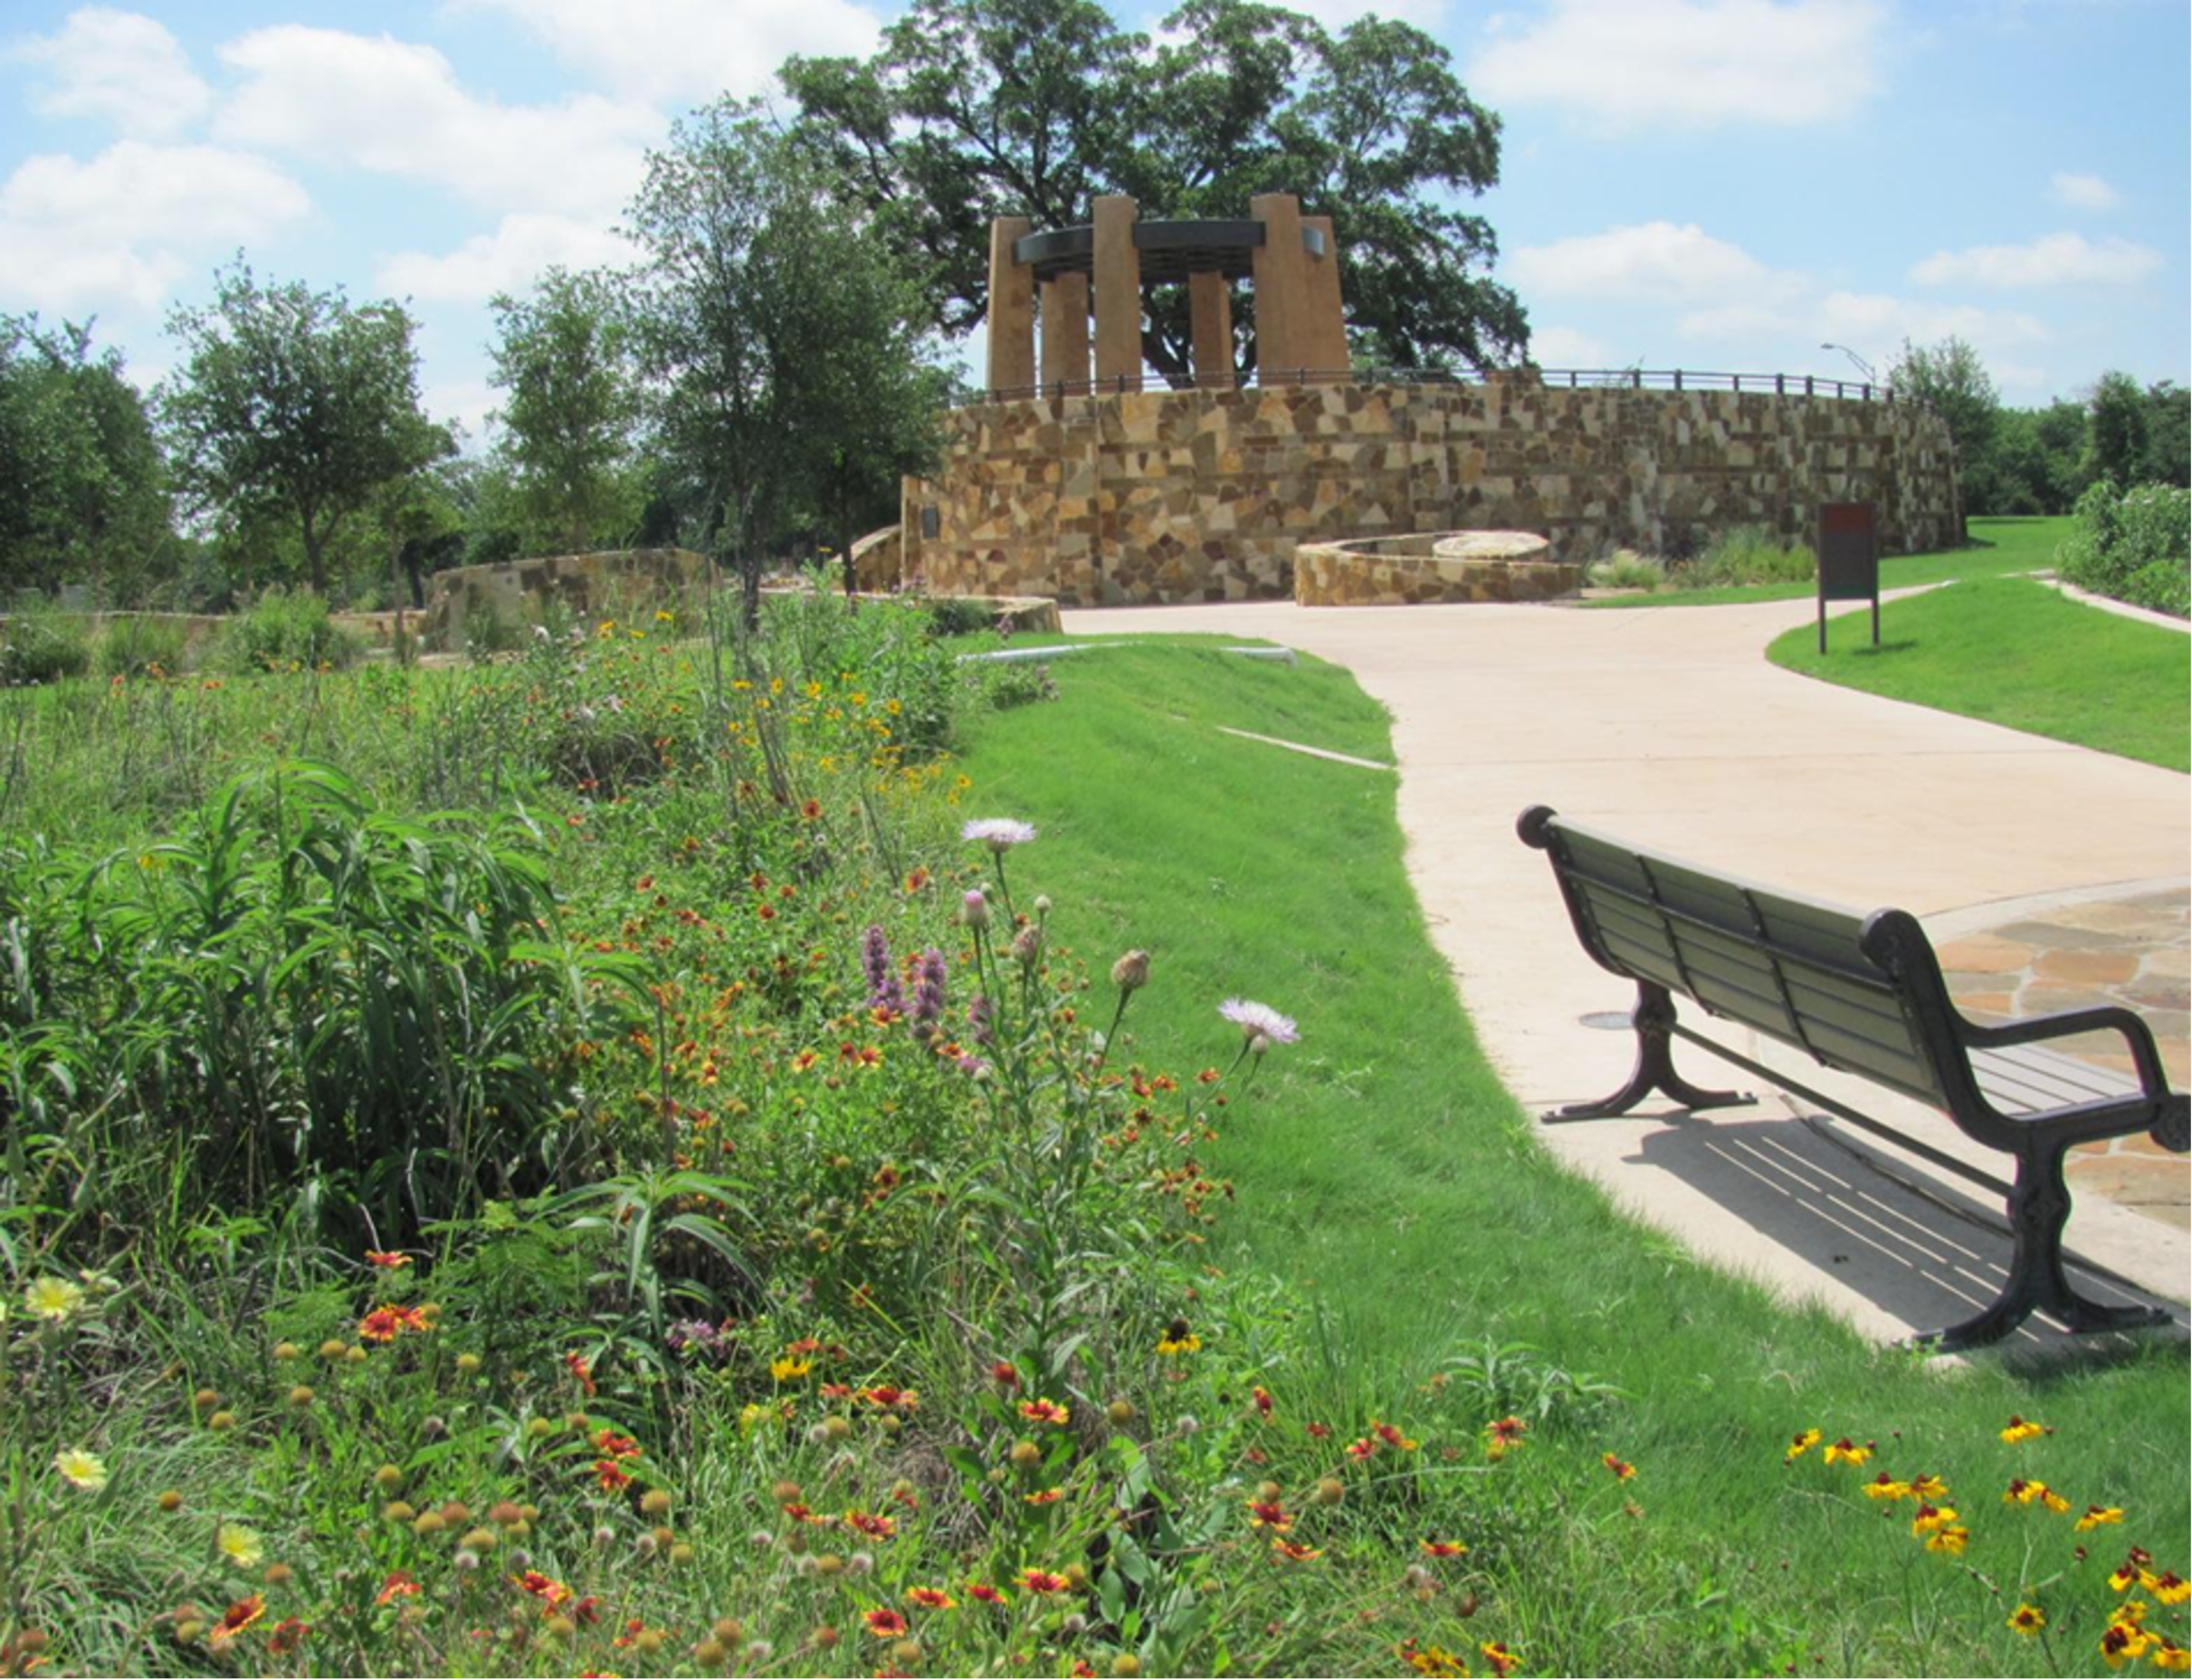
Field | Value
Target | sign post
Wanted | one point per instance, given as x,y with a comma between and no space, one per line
1849,559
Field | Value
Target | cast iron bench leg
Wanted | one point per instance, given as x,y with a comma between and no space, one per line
2039,1205
1654,1020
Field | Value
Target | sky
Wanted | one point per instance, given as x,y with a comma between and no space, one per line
1723,185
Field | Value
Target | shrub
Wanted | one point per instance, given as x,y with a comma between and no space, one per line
135,644
2132,546
285,632
1625,568
43,646
1745,554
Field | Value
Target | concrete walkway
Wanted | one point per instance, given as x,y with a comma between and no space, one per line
1669,726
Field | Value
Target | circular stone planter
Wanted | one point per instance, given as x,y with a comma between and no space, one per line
1430,567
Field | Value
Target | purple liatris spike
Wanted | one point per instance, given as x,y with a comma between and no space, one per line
875,962
929,988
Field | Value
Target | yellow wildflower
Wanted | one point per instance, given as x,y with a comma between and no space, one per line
80,1469
53,1299
239,1545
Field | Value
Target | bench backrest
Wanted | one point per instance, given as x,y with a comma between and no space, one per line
1792,968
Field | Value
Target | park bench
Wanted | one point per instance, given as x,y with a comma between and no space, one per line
1861,995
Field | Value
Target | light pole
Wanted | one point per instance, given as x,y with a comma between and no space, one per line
1863,365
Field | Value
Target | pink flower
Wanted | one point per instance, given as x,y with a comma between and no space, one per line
1260,1024
999,833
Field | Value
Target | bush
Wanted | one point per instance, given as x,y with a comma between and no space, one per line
42,645
137,644
1745,554
285,632
1625,568
2132,546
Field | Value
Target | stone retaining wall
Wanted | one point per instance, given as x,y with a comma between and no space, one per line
1205,495
584,585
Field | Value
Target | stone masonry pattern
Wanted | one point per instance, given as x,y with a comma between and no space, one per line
1171,496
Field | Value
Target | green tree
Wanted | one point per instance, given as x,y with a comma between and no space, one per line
2168,452
2038,456
1949,379
564,357
83,492
770,321
977,109
294,405
2116,430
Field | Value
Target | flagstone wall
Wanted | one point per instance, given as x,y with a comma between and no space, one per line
1161,496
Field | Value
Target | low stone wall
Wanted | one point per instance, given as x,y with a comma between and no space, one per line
1437,567
584,585
879,560
1207,495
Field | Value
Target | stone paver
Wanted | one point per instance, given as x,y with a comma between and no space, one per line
2130,951
1669,726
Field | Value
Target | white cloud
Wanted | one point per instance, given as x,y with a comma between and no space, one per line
396,107
509,259
1690,63
121,229
2082,192
1564,347
121,66
664,51
1653,260
2054,260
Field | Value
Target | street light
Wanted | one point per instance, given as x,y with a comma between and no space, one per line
1866,368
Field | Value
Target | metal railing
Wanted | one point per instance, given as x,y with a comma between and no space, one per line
1572,378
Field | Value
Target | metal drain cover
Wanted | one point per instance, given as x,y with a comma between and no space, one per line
1609,1020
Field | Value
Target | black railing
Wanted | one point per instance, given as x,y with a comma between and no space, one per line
1571,379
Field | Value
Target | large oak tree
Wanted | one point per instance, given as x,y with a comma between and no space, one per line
978,108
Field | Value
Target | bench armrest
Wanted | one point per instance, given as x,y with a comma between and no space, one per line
2103,1018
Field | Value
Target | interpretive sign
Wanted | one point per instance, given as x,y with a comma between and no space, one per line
1849,559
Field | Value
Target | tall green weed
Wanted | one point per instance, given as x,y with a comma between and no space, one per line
2134,546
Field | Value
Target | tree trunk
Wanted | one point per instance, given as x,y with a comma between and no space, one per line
315,555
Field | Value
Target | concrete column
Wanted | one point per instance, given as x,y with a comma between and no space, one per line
1327,327
1210,315
1012,309
1065,330
1118,295
1281,274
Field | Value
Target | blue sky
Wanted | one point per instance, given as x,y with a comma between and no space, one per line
1715,185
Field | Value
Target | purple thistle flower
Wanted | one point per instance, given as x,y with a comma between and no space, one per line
929,988
1260,1024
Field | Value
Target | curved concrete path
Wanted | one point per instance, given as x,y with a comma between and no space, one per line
1669,726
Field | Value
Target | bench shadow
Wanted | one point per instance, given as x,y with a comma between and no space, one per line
1931,1256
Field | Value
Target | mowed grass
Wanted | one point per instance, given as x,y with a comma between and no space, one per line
1997,547
2018,652
1382,1169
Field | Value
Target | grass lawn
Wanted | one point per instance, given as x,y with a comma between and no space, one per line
1382,1169
2016,653
1998,545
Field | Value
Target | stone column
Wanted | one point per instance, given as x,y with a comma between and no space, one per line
1012,309
1065,331
1281,274
1327,328
1210,314
1118,295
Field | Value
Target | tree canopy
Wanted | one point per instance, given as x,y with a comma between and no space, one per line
978,108
295,405
83,490
786,355
562,355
